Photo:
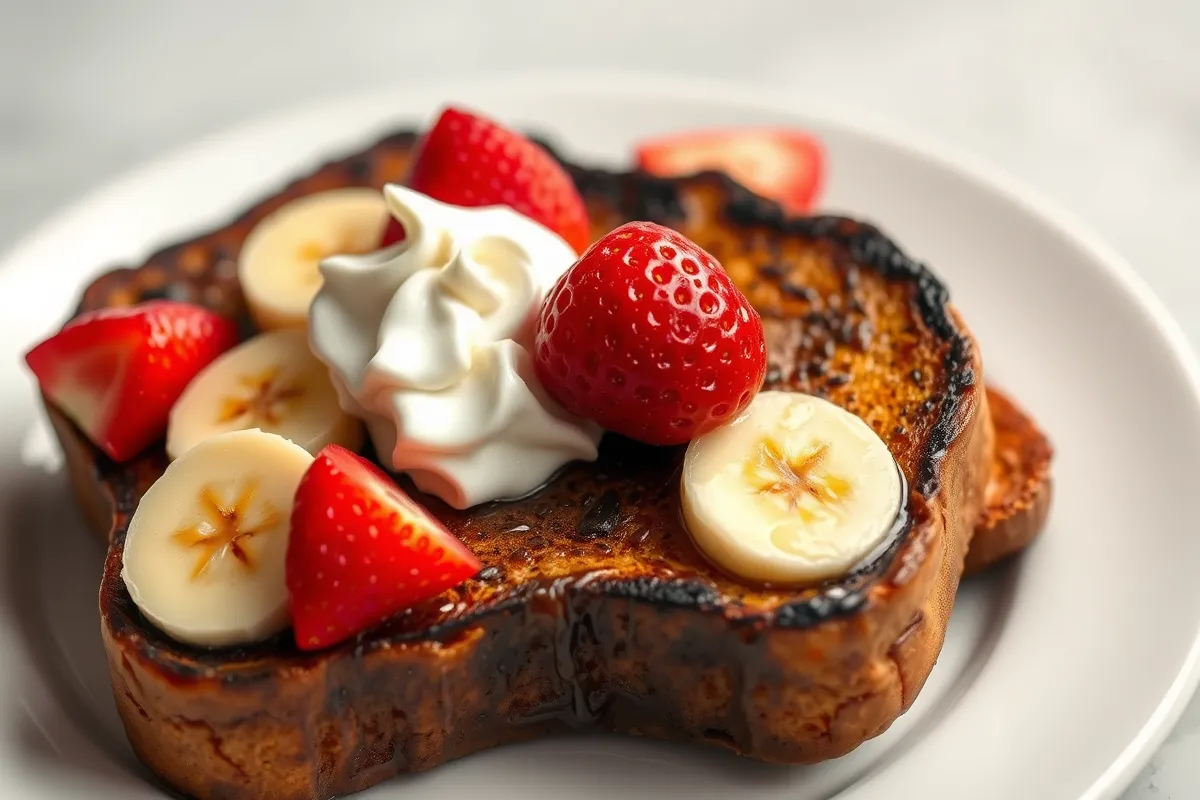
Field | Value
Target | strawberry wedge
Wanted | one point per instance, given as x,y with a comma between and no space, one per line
117,372
361,550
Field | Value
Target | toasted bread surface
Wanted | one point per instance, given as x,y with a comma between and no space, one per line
1019,489
593,608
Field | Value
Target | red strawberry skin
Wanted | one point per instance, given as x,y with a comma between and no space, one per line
468,160
361,550
783,164
393,233
117,372
647,335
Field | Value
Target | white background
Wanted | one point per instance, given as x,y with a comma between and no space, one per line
1095,104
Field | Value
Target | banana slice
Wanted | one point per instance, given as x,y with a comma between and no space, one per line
277,267
205,552
272,382
794,490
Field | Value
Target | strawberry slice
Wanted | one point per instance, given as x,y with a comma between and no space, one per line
785,165
117,372
468,160
362,550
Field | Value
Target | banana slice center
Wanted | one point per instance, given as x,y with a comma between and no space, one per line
264,400
797,480
226,530
272,382
793,491
310,254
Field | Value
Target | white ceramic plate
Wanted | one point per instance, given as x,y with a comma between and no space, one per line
1060,674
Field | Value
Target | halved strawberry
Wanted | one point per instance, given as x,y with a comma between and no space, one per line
362,550
117,372
468,160
785,165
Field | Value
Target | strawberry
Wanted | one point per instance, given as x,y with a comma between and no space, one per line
362,550
117,372
467,160
393,233
649,337
787,166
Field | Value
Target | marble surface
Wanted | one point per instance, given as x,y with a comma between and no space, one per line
1096,103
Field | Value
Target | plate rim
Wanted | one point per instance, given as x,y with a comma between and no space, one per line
911,143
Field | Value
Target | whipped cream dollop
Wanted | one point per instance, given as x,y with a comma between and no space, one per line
429,341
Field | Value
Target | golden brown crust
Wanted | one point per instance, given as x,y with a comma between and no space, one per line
1019,488
595,610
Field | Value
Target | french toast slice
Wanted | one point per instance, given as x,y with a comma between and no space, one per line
594,609
1017,499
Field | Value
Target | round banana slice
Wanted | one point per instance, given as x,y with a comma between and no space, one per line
277,267
272,382
205,552
794,490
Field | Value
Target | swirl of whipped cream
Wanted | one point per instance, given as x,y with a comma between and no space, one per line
429,342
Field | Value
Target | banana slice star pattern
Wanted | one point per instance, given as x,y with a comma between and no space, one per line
272,382
277,268
795,490
205,551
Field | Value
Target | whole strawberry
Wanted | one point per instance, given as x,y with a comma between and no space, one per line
647,335
469,160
